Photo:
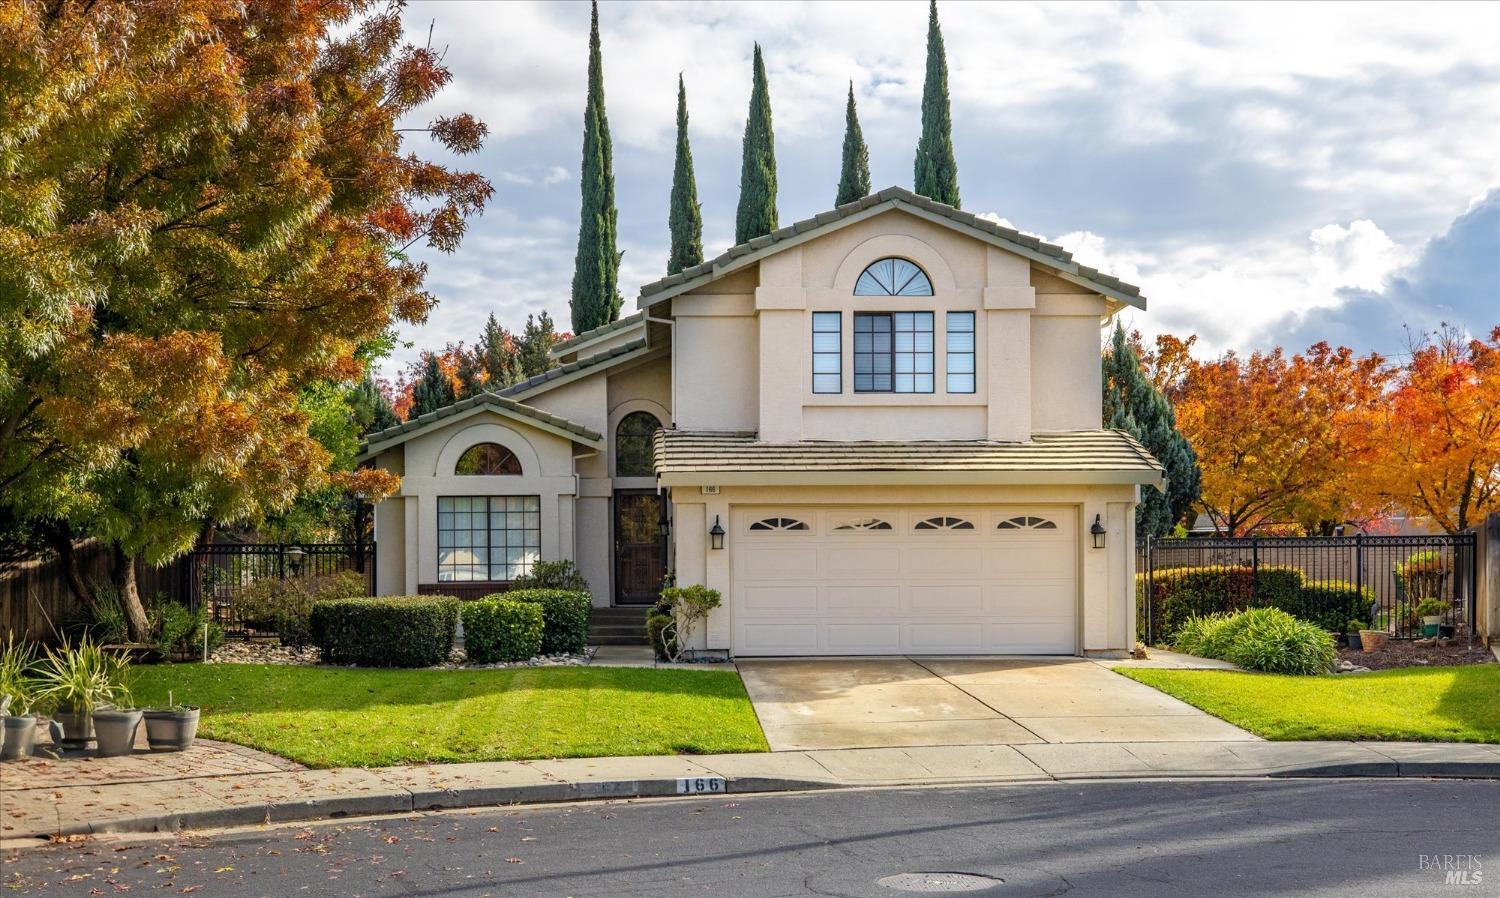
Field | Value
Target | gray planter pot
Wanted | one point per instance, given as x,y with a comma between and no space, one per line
20,737
171,730
73,729
116,731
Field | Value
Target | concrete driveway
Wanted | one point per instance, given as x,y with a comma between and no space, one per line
893,702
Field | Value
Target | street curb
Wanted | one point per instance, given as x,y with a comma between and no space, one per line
405,801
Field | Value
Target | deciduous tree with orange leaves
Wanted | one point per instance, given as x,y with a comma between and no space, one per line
1438,431
204,208
1281,439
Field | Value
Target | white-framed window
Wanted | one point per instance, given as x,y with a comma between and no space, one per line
828,352
893,352
1027,522
862,524
893,277
779,524
960,344
944,522
488,538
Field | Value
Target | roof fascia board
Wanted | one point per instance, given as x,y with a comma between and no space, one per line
641,354
577,345
1068,271
895,478
375,449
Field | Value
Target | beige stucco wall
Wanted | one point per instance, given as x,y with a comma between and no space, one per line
429,459
1106,606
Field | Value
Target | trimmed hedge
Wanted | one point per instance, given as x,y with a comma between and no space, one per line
497,628
565,617
386,631
1266,639
1188,592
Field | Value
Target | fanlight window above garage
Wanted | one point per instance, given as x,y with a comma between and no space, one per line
944,523
488,459
779,524
863,524
893,277
1027,522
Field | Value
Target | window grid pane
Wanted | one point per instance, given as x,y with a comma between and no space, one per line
960,341
913,352
488,538
828,376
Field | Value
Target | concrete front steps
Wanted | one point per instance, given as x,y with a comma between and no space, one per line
621,625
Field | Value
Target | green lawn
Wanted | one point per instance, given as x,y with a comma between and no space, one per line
1428,704
334,717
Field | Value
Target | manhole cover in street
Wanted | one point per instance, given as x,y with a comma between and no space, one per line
939,882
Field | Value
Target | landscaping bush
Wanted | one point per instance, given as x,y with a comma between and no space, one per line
565,617
1266,639
286,605
552,575
1180,594
656,625
180,631
497,628
388,631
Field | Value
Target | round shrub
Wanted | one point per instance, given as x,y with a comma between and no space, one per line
500,629
565,617
385,631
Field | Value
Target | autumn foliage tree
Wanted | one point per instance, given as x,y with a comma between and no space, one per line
204,208
1439,432
1280,439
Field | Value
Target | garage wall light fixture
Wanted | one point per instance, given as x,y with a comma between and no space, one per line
716,534
1097,531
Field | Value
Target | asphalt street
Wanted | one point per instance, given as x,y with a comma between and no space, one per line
1119,839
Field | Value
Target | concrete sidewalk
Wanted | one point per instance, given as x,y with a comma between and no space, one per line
31,807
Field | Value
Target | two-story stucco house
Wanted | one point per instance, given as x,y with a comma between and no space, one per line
876,431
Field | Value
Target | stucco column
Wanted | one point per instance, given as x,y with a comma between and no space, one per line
716,574
413,544
1009,300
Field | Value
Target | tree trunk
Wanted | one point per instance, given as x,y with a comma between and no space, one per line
130,596
61,538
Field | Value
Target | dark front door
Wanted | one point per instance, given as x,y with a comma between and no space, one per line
640,547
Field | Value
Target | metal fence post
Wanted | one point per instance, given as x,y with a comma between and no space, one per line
1254,568
281,561
1150,596
1359,571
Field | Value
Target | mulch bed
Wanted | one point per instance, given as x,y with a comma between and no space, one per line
1406,653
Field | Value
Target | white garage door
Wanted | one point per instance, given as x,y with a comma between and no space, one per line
873,580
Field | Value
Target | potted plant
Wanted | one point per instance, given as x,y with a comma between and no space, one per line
17,692
172,728
1374,639
78,680
1351,633
1431,612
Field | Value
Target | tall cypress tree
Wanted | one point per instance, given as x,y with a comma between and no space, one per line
1133,404
854,182
757,211
684,217
936,169
596,269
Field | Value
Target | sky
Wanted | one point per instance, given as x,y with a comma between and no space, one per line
1268,174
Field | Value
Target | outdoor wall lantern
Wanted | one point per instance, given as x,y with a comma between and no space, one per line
716,534
1097,531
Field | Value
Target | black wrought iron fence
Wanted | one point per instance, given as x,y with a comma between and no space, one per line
216,575
1337,581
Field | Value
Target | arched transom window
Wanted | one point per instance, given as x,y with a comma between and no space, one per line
893,277
945,522
1027,522
633,445
779,524
488,459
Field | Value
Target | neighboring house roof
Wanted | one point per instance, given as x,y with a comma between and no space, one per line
731,459
381,440
574,369
579,341
1046,254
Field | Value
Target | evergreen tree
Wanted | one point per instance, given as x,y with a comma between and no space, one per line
470,373
369,408
1133,404
496,350
757,211
596,269
936,169
854,182
684,217
432,390
535,344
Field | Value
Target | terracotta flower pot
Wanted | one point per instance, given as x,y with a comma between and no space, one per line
1373,640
